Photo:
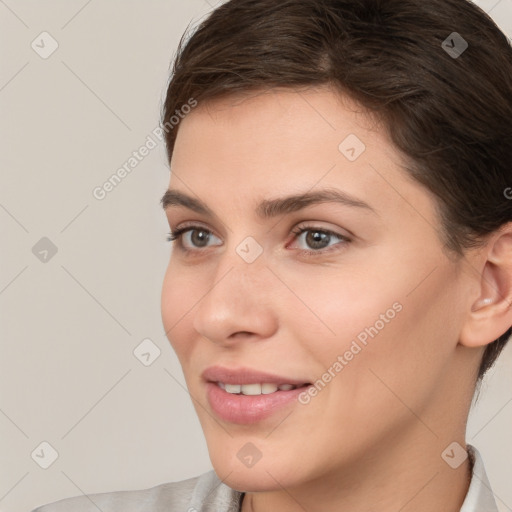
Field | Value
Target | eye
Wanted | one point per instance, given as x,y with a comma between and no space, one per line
194,238
318,239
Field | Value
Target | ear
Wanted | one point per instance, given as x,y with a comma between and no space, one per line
491,314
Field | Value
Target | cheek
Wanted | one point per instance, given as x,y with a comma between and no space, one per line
408,339
379,321
334,307
178,298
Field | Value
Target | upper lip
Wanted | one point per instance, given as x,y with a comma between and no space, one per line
246,376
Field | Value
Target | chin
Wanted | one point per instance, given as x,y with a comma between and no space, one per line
266,474
251,479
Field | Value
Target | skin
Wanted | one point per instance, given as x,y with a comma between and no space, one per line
372,439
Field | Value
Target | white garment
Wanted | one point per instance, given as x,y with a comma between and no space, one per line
206,493
480,497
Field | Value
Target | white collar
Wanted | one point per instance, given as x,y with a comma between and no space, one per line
480,496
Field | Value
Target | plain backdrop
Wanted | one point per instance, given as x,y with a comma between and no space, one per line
80,278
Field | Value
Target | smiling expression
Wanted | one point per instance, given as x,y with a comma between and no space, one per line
289,249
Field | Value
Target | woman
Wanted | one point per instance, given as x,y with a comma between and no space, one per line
341,271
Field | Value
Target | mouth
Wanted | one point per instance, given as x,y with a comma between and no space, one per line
265,388
245,396
246,377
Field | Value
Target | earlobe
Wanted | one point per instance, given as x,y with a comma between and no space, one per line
490,315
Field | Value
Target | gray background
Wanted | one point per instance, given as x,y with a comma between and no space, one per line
70,323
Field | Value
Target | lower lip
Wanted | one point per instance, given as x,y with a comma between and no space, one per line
246,409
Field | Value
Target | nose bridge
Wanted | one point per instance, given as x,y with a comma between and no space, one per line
243,260
234,301
241,272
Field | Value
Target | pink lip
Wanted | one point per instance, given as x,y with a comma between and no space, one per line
246,376
246,409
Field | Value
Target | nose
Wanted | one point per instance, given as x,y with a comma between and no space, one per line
237,303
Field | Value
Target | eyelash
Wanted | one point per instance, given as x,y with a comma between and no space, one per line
178,233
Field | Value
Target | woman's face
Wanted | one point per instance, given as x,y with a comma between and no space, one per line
364,305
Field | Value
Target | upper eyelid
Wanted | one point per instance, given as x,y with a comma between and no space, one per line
192,227
195,225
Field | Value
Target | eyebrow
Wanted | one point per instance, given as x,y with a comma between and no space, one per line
269,208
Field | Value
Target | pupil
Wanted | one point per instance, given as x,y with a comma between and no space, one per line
317,237
203,238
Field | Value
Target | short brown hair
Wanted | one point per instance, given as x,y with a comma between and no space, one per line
449,113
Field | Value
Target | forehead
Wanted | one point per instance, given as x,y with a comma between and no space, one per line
283,141
282,119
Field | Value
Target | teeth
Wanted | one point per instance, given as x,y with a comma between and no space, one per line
265,388
251,389
232,388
